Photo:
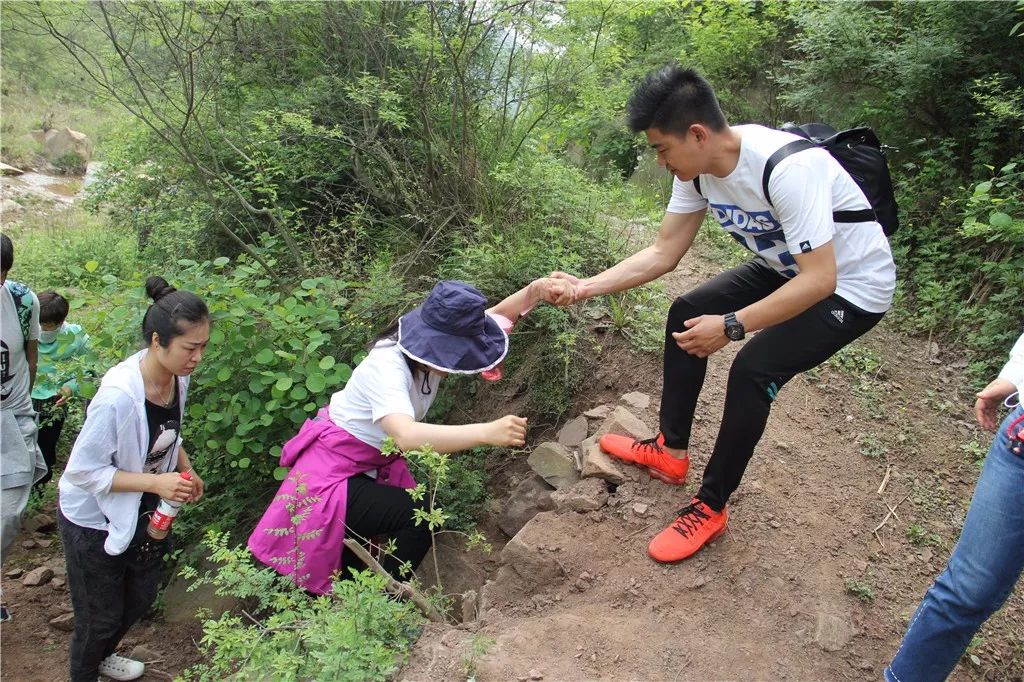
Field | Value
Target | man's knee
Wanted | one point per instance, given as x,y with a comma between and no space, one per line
682,309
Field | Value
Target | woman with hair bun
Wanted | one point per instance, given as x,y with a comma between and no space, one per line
127,457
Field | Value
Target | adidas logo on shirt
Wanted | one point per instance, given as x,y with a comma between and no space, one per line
838,314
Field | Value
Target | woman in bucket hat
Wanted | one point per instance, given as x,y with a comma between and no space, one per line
336,461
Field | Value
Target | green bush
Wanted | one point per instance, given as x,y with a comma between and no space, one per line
356,633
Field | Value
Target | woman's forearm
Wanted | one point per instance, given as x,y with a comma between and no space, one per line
128,482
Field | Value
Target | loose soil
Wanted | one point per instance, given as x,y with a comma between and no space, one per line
799,588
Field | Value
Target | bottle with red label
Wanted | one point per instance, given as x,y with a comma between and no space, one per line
161,520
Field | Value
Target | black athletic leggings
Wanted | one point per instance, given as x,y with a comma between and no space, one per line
374,510
762,367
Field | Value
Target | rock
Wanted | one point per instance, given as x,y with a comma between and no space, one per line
573,433
586,495
10,206
699,582
59,145
15,573
599,412
40,523
38,576
58,583
536,674
624,422
554,463
144,654
470,605
528,499
597,464
524,556
65,622
29,544
637,400
640,508
9,170
44,543
833,632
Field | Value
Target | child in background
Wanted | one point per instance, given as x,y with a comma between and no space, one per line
59,342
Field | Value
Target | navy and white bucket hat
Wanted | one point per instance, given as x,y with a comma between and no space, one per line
452,332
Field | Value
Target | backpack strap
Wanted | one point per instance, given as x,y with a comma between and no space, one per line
22,297
861,216
782,152
696,186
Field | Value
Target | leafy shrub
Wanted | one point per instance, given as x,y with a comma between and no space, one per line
356,633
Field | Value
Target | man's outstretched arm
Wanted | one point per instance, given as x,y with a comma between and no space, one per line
675,236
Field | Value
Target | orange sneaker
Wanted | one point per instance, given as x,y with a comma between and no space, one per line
647,453
697,525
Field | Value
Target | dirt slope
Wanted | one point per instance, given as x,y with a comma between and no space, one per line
772,599
775,598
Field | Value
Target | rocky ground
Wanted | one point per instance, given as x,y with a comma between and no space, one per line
801,587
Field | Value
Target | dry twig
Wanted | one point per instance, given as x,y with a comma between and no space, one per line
885,480
394,587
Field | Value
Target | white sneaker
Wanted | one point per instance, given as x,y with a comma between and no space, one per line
120,668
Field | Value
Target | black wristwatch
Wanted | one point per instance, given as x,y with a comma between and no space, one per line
734,328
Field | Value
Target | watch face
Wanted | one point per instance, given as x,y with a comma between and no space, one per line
734,332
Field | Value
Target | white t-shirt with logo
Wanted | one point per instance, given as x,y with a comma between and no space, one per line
380,385
14,384
806,188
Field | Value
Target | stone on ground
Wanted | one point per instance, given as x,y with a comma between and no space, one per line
554,463
597,463
573,433
529,498
588,494
637,400
65,622
526,557
37,577
833,632
599,412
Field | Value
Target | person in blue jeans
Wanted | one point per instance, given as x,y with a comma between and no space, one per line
989,557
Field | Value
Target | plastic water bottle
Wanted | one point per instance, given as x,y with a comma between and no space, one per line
161,520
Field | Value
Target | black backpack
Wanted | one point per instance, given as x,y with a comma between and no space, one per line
860,153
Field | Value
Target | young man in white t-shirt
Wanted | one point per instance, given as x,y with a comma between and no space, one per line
813,286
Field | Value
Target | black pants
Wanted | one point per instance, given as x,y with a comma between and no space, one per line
375,510
51,423
108,593
761,368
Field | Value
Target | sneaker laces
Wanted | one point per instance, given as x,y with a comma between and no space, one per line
646,444
690,518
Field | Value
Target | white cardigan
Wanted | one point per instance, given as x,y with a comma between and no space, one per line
114,438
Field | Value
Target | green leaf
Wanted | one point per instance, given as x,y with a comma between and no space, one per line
309,284
265,356
91,266
316,383
223,374
222,261
327,362
244,463
1000,220
283,384
216,337
280,473
234,445
87,389
982,188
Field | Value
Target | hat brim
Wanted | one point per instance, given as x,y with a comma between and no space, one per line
449,353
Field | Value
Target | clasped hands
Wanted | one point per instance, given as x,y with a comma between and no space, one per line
703,335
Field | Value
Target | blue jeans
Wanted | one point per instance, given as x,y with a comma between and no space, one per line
981,574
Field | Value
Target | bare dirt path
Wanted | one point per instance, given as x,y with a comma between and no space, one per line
799,588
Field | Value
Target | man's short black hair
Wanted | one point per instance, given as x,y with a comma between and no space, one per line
6,252
672,99
53,308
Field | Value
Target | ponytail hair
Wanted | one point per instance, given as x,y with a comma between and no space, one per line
169,309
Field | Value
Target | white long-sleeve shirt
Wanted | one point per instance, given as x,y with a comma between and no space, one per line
114,438
1013,371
